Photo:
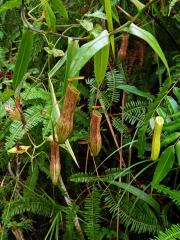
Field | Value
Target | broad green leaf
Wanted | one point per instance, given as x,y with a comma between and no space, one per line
9,5
138,4
49,15
165,163
134,90
110,23
150,39
100,64
58,5
86,52
138,193
23,57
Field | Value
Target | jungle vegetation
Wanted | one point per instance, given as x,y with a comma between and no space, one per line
89,119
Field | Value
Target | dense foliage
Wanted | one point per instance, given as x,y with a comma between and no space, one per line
89,119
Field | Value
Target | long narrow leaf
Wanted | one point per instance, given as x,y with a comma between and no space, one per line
73,47
59,6
150,39
110,22
49,15
164,165
23,57
138,193
86,52
100,64
134,90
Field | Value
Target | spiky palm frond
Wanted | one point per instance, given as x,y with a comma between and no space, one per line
173,233
120,126
37,205
92,212
82,178
173,194
136,216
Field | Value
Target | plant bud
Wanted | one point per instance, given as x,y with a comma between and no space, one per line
95,134
55,166
156,142
65,123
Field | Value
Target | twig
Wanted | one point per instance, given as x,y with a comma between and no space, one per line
69,203
112,132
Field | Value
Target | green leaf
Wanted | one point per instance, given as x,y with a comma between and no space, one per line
165,163
86,24
110,23
172,104
138,4
6,95
134,90
57,5
177,147
54,52
172,233
86,52
138,193
23,57
97,14
150,39
100,64
9,5
57,66
49,16
73,48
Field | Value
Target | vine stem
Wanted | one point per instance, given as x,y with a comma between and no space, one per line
69,203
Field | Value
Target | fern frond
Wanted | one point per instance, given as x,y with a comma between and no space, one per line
114,78
139,218
91,214
70,233
173,194
114,173
34,92
31,181
120,127
136,217
33,117
134,112
172,233
82,178
37,205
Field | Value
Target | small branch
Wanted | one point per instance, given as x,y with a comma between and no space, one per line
69,203
122,163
